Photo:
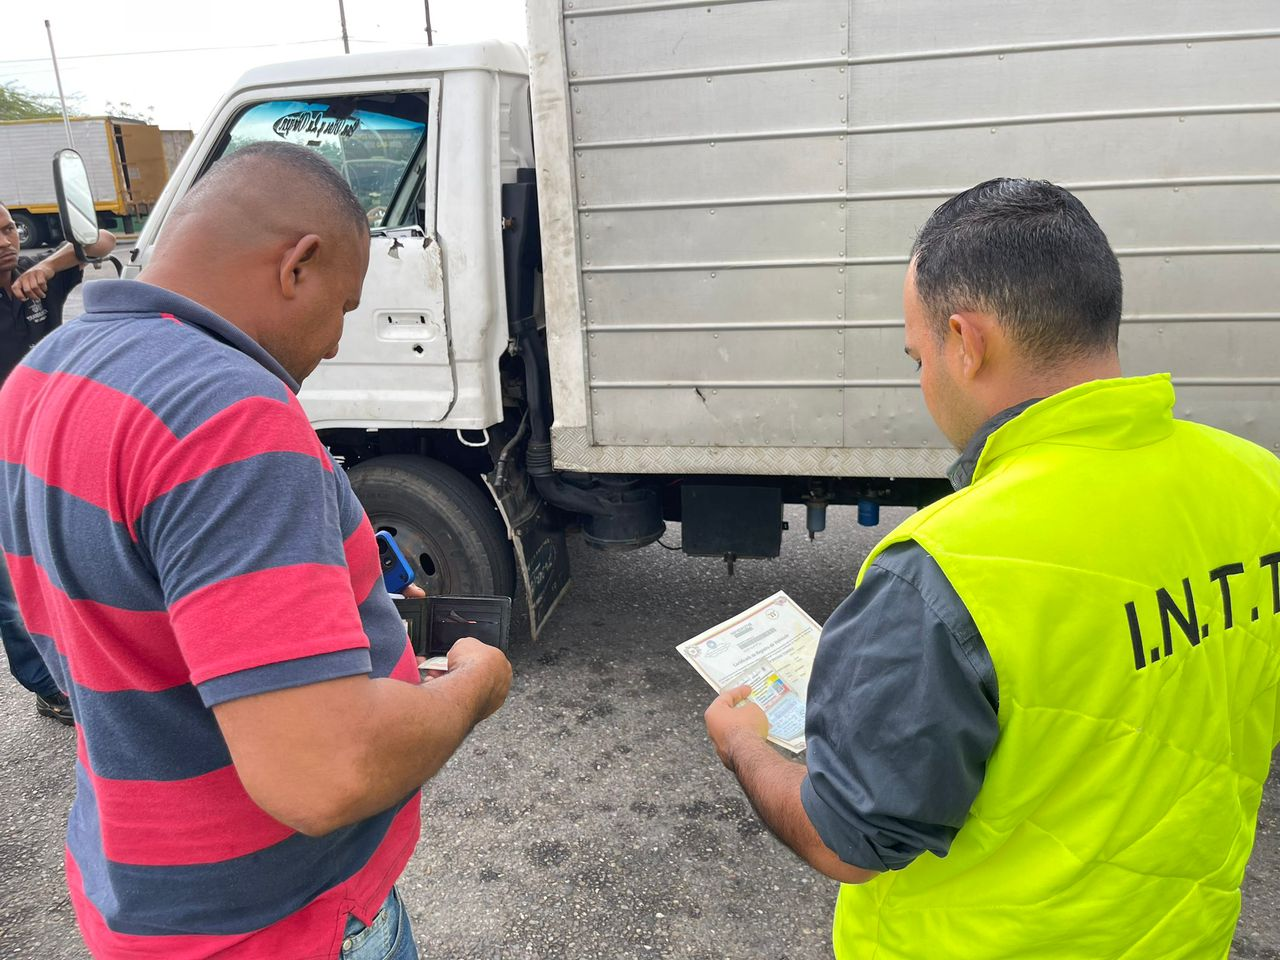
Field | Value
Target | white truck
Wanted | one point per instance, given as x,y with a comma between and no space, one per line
651,271
124,159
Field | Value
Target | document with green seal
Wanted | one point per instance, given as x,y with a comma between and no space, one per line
770,647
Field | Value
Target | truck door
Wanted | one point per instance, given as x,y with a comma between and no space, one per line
393,363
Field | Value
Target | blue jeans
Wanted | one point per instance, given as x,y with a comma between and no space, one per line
24,660
388,937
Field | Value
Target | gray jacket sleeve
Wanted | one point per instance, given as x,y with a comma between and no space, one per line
901,716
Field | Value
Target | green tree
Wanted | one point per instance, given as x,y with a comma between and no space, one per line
19,104
127,111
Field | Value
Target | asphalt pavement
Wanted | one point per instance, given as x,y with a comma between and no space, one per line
587,819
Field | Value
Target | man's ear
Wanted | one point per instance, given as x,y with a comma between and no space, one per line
974,345
295,261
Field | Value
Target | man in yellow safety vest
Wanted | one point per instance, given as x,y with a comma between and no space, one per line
1040,725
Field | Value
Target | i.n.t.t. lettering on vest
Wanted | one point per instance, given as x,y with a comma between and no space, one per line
1185,616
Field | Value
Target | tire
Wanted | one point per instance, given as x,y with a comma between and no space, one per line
30,229
450,531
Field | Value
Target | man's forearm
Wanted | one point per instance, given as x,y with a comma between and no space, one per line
326,755
412,733
772,785
61,259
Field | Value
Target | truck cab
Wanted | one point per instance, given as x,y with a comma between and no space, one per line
414,403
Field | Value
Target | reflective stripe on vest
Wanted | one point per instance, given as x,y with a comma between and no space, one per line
1123,569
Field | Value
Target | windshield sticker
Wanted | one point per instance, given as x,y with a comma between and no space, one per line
315,123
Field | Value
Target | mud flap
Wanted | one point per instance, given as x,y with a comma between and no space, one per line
537,534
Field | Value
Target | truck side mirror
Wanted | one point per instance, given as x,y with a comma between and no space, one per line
75,201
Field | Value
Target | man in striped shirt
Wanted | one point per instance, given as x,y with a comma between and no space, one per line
202,581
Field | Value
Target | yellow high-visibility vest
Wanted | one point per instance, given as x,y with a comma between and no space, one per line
1123,568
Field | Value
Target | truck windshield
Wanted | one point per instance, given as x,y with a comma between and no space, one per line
376,142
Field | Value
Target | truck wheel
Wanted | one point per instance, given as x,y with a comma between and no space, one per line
30,229
449,530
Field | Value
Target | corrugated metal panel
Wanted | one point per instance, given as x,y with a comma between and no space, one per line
26,160
748,176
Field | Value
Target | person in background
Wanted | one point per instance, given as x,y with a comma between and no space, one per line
33,292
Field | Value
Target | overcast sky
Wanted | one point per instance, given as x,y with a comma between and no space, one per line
174,58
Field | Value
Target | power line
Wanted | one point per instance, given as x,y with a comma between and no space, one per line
147,53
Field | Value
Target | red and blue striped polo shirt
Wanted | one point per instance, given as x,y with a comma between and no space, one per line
179,537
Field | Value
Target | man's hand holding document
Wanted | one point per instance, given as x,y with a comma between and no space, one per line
769,647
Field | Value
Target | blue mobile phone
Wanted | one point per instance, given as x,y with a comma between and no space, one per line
396,572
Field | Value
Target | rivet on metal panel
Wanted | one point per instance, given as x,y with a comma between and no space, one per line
839,316
580,137
708,79
1188,46
842,69
839,413
590,300
713,213
586,236
582,176
573,73
1166,259
842,95
575,89
591,336
1175,189
842,206
713,276
993,129
844,26
712,143
577,110
574,43
1001,57
588,263
714,392
843,52
840,162
842,229
1182,119
715,336
842,269
839,353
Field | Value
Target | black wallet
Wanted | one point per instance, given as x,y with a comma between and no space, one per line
435,623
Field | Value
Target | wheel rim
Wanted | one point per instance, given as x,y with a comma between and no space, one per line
431,568
24,231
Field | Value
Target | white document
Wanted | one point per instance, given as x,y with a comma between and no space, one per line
771,647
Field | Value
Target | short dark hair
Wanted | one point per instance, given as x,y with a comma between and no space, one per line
298,161
1029,252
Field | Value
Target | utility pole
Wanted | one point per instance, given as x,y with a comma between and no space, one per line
66,121
342,14
427,5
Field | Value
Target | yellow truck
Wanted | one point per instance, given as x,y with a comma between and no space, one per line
125,160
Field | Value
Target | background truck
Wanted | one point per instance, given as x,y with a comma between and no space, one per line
652,271
124,158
